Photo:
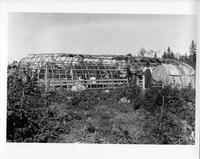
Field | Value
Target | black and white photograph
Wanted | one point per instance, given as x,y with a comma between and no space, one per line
104,80
101,78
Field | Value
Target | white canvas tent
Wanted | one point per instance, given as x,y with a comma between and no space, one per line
178,75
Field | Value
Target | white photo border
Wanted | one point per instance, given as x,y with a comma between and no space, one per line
36,150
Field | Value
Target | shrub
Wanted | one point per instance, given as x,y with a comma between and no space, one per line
169,108
165,116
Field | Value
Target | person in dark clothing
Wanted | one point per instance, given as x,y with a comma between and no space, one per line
129,74
148,75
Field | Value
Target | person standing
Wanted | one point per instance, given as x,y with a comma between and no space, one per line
129,74
148,75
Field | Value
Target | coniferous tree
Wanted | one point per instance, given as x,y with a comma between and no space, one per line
172,55
168,52
192,57
164,54
155,55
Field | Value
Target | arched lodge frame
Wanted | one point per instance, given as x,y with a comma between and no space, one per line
64,70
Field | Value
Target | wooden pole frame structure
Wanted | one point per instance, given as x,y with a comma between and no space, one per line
54,69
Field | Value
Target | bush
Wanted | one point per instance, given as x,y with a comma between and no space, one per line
169,108
36,117
161,115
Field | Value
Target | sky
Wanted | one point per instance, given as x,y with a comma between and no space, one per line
32,33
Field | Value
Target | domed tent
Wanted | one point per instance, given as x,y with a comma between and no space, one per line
178,75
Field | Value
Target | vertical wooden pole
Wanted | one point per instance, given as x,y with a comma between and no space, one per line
60,80
66,79
53,80
143,82
38,76
45,80
71,72
181,82
161,117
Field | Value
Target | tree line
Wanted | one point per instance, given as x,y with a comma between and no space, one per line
189,59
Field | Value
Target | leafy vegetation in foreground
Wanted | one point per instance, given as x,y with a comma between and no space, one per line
158,116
